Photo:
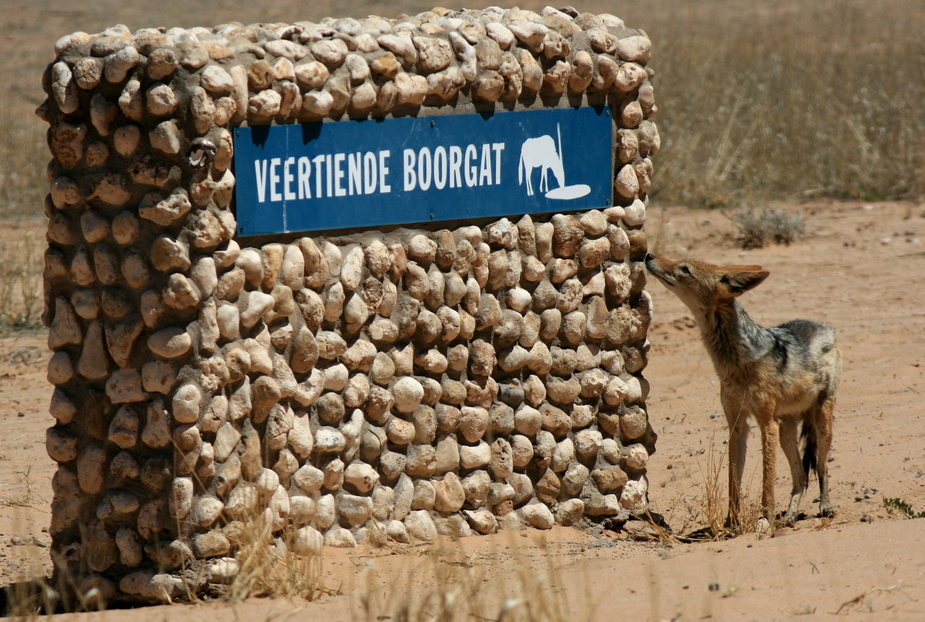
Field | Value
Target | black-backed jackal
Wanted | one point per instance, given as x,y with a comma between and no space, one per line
782,377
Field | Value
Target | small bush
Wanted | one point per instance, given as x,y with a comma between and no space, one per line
896,504
758,229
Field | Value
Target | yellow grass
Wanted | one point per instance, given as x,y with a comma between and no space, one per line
269,568
451,584
774,99
21,252
715,507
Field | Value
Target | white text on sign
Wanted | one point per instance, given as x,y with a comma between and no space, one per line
366,173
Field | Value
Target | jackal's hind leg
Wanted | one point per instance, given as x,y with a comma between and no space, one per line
823,422
789,443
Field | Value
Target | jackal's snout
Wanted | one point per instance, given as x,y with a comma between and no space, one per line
651,263
660,268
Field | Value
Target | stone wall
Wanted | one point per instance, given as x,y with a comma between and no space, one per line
383,385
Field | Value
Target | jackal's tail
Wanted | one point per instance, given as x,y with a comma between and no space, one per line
810,445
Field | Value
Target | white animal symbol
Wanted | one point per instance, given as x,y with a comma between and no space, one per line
540,152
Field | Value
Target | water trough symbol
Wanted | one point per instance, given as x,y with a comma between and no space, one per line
541,153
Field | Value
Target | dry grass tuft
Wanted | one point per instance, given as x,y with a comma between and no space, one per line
21,296
27,600
861,599
716,502
450,585
268,567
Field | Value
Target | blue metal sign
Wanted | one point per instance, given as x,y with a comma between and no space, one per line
373,173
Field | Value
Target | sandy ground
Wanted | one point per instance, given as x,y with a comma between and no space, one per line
862,269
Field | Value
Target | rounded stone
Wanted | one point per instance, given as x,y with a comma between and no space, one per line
307,541
420,526
538,515
449,494
353,508
335,377
519,299
170,342
633,496
421,460
352,268
308,478
635,457
360,477
382,369
473,423
408,394
633,423
330,407
357,391
60,444
570,512
329,440
422,248
325,512
161,100
562,391
568,235
635,214
534,390
528,421
447,455
399,431
521,451
562,455
627,183
474,457
482,521
186,403
482,358
333,474
588,443
432,361
502,464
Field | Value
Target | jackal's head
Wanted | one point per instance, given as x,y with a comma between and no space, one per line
702,286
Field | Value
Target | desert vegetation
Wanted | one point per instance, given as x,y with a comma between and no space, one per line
761,101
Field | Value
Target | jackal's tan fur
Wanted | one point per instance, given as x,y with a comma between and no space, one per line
782,377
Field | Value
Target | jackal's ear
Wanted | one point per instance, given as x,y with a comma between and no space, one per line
740,279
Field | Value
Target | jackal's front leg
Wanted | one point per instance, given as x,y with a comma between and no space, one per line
770,434
738,439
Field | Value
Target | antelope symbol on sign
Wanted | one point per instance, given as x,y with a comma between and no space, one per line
541,153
